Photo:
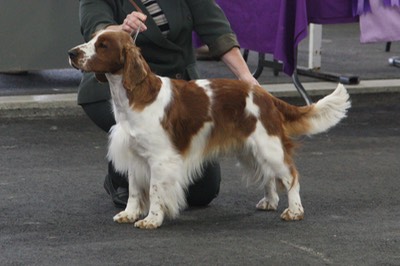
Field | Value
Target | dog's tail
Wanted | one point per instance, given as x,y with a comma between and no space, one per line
317,117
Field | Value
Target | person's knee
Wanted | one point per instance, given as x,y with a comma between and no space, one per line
100,113
206,188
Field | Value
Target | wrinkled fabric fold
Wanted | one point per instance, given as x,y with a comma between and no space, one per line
391,3
361,7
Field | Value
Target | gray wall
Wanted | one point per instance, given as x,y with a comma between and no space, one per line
36,34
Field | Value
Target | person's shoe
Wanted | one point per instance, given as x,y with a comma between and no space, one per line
119,195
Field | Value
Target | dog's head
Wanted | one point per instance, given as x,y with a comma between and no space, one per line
110,52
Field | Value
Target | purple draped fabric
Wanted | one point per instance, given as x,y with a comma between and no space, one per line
274,26
330,11
293,28
391,3
277,26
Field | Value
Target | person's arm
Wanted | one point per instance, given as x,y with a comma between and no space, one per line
95,15
235,62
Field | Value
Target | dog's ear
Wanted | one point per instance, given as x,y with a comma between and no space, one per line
135,67
101,77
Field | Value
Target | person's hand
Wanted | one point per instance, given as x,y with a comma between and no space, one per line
234,60
249,79
133,22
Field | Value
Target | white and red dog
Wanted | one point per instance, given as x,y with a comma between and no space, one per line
166,129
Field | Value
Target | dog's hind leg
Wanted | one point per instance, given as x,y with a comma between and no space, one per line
255,174
272,160
295,211
289,178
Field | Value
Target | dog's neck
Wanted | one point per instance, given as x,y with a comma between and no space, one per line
136,96
114,79
118,94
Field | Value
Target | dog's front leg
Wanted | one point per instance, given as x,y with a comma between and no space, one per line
138,200
138,195
166,194
156,213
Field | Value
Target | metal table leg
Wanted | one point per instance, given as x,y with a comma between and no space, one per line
302,91
387,47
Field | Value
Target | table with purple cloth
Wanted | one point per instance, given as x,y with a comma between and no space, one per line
277,26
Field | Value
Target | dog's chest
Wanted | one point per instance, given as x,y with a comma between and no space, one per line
146,134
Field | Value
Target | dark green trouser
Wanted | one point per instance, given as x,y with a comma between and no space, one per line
201,193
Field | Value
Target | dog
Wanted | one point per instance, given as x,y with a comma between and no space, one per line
166,129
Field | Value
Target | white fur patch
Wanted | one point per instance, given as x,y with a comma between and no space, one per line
205,84
88,50
251,107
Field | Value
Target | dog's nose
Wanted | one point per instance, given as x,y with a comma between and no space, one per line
72,53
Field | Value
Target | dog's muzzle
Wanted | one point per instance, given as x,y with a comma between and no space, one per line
73,54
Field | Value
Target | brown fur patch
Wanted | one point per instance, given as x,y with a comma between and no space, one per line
232,123
144,93
270,116
108,59
295,119
186,114
141,84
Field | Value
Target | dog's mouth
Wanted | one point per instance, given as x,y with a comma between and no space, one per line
71,63
77,65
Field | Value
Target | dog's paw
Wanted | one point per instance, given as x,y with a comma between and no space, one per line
148,223
290,215
125,217
266,205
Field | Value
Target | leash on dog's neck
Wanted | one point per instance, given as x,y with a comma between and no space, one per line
136,34
139,10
